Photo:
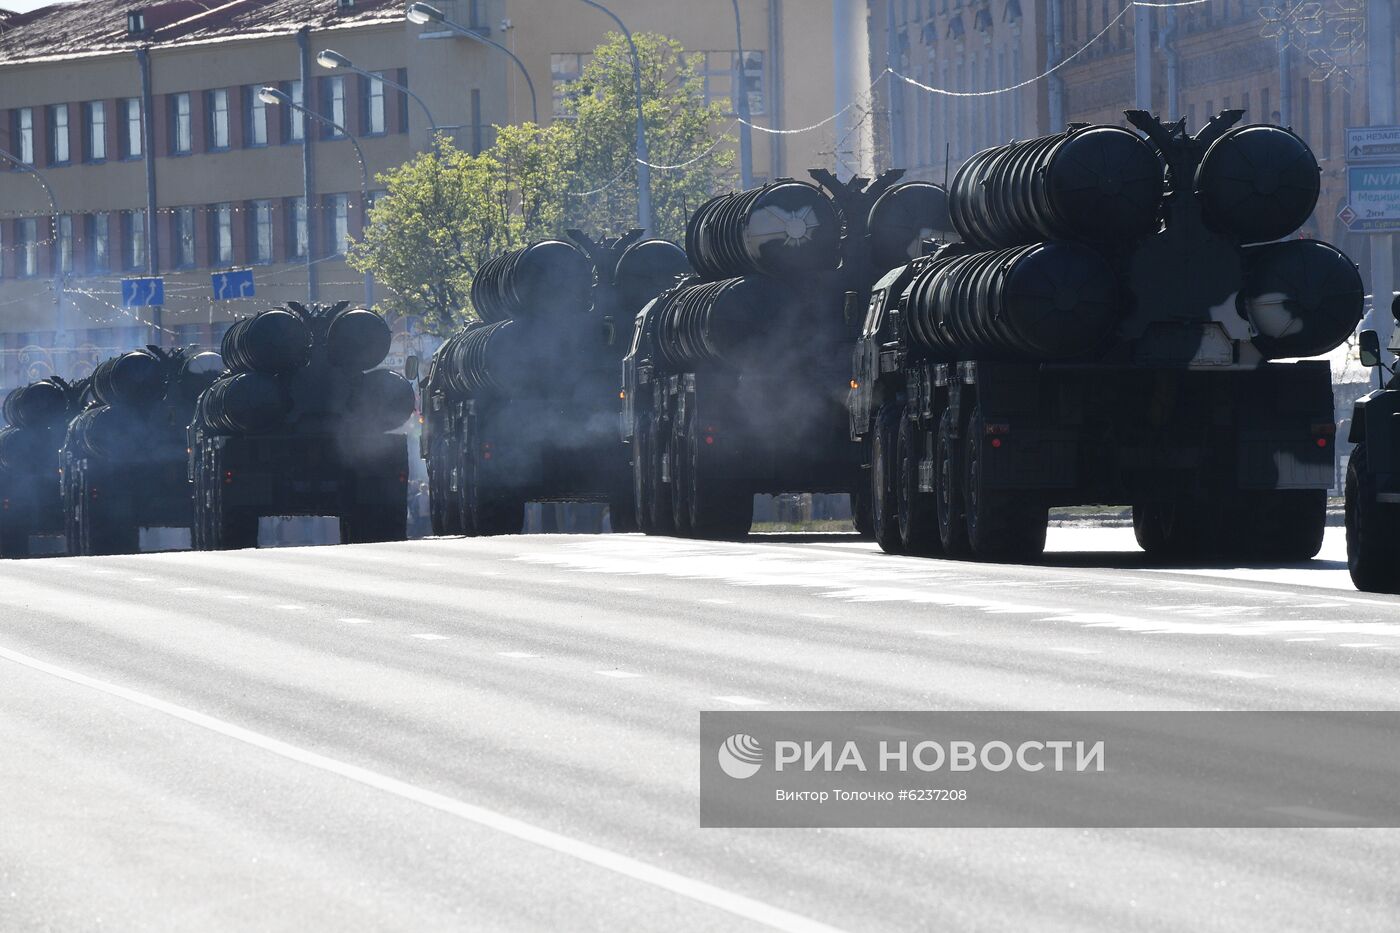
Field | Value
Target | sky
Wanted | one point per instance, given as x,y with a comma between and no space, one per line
22,6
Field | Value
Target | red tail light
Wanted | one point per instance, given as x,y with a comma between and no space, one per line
228,478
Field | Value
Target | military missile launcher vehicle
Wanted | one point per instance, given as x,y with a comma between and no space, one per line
521,405
736,379
30,503
124,461
1112,328
1373,477
299,424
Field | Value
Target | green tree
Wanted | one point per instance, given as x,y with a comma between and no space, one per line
681,130
445,212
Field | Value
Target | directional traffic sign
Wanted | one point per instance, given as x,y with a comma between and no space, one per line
143,292
237,283
1373,143
1373,194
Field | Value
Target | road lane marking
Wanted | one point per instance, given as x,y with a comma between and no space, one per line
1302,639
816,615
737,700
616,673
1362,644
718,602
429,636
517,654
356,621
701,892
1077,650
288,607
1243,675
937,632
187,589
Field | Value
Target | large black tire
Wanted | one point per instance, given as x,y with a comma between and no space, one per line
679,460
1002,524
883,435
948,489
1373,531
1172,529
721,507
642,475
1279,525
916,511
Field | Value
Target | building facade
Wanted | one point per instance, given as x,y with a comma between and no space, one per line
145,123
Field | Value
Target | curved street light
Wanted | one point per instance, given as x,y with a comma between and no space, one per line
423,13
643,156
60,326
271,95
330,60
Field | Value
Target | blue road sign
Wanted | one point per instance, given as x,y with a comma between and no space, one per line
235,284
141,293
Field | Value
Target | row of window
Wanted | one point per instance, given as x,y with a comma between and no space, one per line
118,241
223,109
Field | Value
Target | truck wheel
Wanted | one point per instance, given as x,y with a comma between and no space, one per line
948,489
1283,525
642,475
680,484
1373,531
1002,524
662,518
882,478
105,527
1171,529
916,511
500,515
860,508
234,529
721,508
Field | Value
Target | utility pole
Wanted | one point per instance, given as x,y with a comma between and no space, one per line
1055,54
1142,57
1381,111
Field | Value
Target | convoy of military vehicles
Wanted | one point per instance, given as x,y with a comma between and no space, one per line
1096,316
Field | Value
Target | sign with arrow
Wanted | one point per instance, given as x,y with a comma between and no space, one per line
237,283
143,292
1373,143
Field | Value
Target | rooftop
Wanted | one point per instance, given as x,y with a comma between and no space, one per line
96,27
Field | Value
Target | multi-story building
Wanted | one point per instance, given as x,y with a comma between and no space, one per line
985,52
145,123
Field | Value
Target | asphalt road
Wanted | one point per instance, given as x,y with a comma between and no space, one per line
502,734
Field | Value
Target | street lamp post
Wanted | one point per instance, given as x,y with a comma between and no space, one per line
741,105
643,157
271,95
330,59
424,13
60,325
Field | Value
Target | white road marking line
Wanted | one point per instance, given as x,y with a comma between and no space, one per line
1362,644
699,891
816,615
741,701
718,602
620,675
627,589
1077,650
289,607
1302,639
356,621
233,595
99,570
142,580
429,636
934,631
1243,675
187,589
516,654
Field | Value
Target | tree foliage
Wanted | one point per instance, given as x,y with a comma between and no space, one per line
445,212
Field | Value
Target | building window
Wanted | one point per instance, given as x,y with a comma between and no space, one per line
96,131
298,230
260,232
221,233
134,240
218,118
564,68
58,135
184,237
65,243
98,243
256,117
339,223
374,105
293,120
335,104
131,128
181,129
28,258
24,134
